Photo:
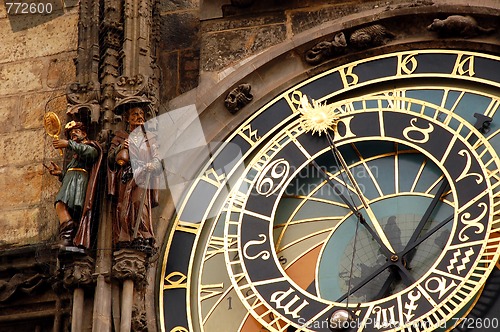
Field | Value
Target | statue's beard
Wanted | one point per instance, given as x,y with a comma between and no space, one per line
79,138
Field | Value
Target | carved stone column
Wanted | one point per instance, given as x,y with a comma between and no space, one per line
129,268
110,48
138,77
77,274
84,95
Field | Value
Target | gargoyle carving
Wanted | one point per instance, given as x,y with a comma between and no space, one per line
326,49
238,98
371,36
79,273
129,264
361,39
458,26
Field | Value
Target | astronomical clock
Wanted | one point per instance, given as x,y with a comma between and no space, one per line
365,198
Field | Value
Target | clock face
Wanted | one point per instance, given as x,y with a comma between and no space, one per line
379,200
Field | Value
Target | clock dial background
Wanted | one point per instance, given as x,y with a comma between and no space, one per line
399,183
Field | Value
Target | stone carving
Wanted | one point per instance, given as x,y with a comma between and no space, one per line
139,322
238,98
413,4
371,36
327,49
361,39
83,100
79,273
458,26
129,265
78,93
130,86
85,111
21,283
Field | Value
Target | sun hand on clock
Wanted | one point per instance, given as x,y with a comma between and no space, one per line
379,233
387,252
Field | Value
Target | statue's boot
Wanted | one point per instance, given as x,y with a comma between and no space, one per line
67,232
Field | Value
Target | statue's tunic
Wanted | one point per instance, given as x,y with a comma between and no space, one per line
75,175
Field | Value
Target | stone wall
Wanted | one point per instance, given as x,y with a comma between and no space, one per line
201,40
36,65
239,32
179,47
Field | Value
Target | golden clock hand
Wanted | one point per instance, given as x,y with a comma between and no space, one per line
354,210
362,198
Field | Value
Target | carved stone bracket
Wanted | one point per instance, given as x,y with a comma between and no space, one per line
79,273
360,39
238,98
81,93
135,90
129,265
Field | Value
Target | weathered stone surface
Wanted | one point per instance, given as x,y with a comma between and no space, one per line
21,227
21,147
304,20
222,49
20,77
61,71
189,70
34,106
179,31
255,21
174,5
36,64
3,10
52,37
9,114
27,181
169,64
